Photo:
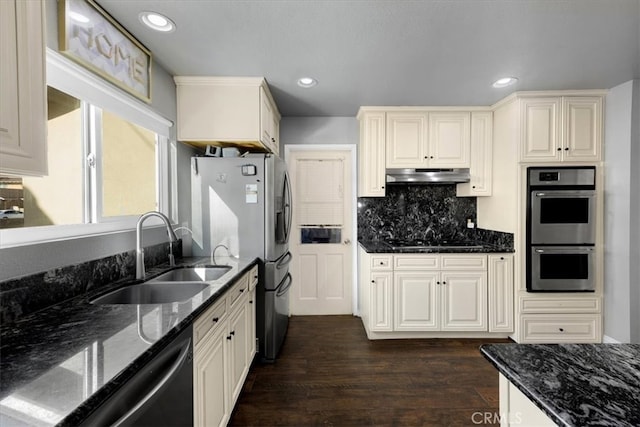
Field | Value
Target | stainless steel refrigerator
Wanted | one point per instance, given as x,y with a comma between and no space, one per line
242,206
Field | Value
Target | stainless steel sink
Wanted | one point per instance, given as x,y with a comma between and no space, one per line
192,274
152,293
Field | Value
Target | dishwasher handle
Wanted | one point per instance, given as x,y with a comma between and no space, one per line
184,352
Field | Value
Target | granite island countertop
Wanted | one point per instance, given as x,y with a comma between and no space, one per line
60,363
575,384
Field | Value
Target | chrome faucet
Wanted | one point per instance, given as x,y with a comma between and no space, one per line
140,250
213,253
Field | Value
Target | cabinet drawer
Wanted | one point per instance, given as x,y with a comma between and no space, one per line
561,328
253,278
560,305
381,262
464,262
416,262
209,320
239,289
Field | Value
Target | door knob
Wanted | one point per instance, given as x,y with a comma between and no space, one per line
347,241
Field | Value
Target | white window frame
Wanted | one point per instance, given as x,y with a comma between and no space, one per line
65,75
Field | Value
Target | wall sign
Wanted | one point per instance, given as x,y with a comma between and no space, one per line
91,37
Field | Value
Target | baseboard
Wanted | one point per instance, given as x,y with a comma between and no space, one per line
609,340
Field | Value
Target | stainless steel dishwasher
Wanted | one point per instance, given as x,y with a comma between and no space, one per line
160,394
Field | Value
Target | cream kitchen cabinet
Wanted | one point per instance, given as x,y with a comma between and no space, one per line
411,295
435,139
558,319
23,108
501,293
227,111
481,160
371,154
561,128
223,354
440,292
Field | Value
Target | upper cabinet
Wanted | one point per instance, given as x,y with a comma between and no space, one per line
481,180
561,128
371,163
428,139
23,108
227,111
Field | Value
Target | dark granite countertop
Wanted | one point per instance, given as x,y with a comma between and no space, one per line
575,384
60,363
379,246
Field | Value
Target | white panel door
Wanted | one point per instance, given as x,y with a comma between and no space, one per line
321,232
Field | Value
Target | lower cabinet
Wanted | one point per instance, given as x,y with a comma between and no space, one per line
224,347
436,292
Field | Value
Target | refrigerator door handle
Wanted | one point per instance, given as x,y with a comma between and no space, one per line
287,206
284,261
283,288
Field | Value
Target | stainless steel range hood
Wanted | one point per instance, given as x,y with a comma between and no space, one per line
427,176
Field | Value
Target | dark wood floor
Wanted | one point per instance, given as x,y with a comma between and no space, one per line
328,373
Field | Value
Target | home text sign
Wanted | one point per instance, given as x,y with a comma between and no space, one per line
91,37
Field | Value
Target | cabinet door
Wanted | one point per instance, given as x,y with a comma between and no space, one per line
381,301
23,110
464,301
237,340
582,128
267,122
501,293
210,380
481,161
406,140
416,301
449,140
371,155
251,336
540,129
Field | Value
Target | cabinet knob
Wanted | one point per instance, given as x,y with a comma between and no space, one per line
561,329
382,187
559,149
437,283
501,258
373,281
215,320
426,157
229,337
232,333
381,263
242,290
431,157
444,283
566,148
273,140
473,186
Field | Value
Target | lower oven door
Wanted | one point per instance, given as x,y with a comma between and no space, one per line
561,269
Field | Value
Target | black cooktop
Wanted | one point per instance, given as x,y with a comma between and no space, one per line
425,244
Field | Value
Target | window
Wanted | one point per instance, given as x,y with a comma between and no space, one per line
106,154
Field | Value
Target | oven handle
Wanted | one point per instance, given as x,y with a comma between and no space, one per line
564,250
578,194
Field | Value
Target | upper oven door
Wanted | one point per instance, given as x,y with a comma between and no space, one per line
563,217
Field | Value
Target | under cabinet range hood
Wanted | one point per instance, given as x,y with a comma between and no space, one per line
427,176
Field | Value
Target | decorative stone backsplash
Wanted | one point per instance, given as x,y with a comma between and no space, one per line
426,212
25,295
431,213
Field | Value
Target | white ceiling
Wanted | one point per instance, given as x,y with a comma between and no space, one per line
397,52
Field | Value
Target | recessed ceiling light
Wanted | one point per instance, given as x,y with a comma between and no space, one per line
307,82
157,21
504,82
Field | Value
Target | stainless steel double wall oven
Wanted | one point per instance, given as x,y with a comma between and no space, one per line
561,229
